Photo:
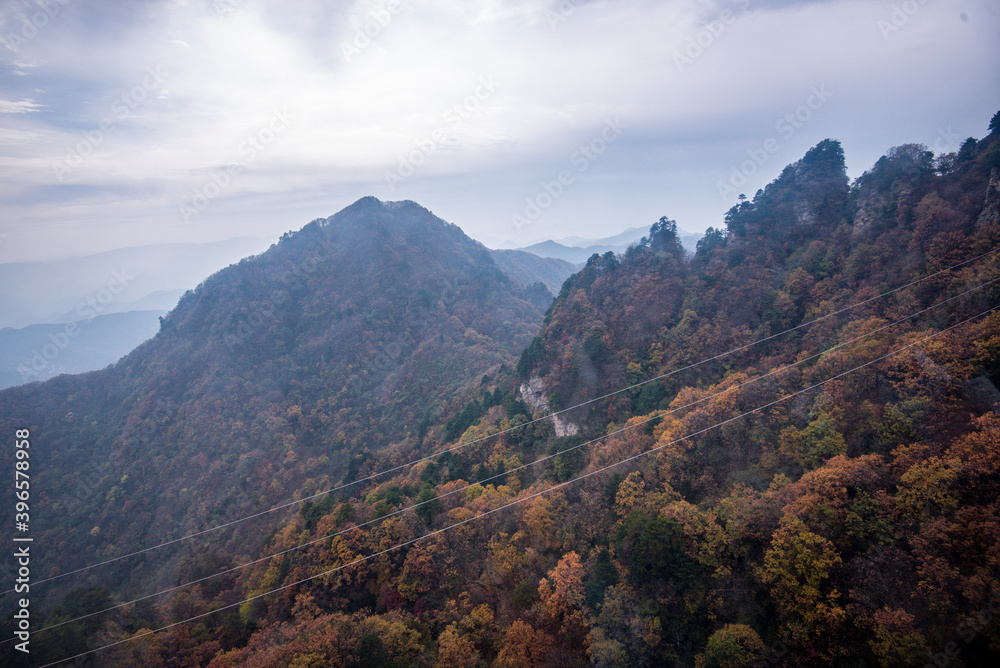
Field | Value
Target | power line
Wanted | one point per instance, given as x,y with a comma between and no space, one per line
536,462
456,448
527,498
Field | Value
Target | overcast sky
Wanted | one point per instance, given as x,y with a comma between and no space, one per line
124,123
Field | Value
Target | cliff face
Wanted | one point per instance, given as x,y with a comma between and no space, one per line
892,188
533,394
990,215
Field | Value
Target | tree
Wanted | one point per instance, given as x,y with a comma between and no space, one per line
605,652
732,646
968,150
569,456
455,650
562,591
815,444
707,245
655,550
429,505
796,570
524,646
604,575
663,238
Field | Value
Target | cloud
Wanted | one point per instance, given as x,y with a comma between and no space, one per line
367,82
8,136
18,106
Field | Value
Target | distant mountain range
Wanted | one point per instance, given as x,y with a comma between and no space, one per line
120,294
578,250
40,352
126,279
111,300
138,285
43,298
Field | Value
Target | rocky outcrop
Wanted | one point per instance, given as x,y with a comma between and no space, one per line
871,207
533,394
990,214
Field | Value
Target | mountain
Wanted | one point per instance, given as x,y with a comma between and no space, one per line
555,250
634,300
578,250
812,524
689,240
824,496
283,372
780,449
159,300
629,236
527,268
620,242
40,352
126,279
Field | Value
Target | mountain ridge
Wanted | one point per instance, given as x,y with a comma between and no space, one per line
382,335
346,317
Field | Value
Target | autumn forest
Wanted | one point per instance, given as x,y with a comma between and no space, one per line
370,446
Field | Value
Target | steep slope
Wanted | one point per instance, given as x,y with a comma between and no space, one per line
850,524
626,318
274,377
820,496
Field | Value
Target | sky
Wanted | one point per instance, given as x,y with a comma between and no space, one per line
125,123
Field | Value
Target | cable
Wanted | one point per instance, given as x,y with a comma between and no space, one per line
529,497
456,448
523,466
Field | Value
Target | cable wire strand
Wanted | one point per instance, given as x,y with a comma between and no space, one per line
536,462
628,427
526,498
547,416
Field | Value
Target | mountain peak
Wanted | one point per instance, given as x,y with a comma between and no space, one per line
811,191
371,204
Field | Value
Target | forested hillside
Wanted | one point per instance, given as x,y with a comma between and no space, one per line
782,451
273,378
